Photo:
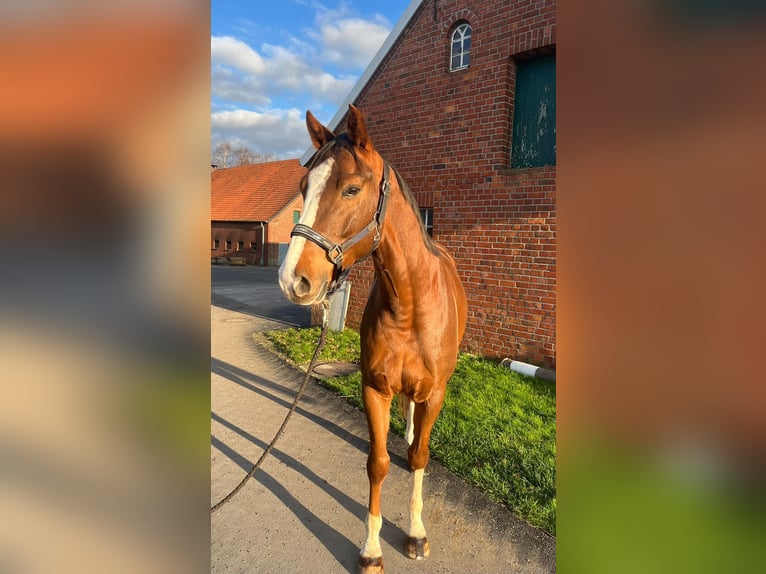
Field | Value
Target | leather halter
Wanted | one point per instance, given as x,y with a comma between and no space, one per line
335,251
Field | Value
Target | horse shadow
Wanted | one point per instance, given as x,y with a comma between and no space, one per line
288,314
259,385
338,545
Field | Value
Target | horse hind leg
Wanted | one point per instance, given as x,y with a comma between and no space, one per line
416,544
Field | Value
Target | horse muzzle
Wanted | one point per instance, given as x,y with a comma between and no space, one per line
302,290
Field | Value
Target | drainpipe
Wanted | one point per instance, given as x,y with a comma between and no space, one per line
530,370
263,242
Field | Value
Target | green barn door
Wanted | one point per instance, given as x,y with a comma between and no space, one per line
534,114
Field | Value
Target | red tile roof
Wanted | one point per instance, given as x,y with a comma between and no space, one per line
254,192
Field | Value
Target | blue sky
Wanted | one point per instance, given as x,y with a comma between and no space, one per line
271,61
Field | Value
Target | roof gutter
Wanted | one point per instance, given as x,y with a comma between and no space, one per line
263,241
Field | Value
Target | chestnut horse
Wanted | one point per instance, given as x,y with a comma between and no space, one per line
416,312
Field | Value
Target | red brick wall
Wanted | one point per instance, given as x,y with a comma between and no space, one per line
280,227
449,134
235,231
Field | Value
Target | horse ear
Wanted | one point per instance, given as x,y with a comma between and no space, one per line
357,128
320,135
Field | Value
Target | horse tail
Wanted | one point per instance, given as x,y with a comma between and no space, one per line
406,409
403,404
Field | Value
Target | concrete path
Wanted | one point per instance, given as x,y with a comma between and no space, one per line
304,510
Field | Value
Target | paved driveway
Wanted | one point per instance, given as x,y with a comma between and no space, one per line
255,291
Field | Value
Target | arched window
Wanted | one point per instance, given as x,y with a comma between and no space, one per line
461,48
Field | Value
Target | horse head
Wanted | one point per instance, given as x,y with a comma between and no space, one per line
344,200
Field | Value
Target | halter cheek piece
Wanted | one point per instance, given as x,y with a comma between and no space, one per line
335,251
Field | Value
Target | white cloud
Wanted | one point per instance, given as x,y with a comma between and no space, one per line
294,73
316,72
228,51
241,74
350,43
227,84
278,131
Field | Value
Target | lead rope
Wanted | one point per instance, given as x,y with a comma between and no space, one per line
320,344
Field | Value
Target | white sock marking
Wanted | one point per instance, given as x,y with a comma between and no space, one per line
417,530
371,548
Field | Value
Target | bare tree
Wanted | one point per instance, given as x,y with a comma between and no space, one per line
226,155
264,157
222,154
244,155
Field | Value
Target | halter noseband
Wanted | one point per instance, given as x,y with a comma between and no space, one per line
335,251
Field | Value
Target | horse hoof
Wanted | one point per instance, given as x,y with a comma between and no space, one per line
370,565
416,548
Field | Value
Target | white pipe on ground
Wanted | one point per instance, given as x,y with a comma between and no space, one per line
530,370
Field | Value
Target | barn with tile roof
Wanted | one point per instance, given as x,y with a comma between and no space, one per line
253,209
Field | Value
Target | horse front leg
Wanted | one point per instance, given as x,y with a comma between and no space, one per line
377,408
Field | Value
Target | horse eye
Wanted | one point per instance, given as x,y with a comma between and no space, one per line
350,191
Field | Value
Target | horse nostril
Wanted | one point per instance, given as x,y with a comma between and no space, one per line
302,287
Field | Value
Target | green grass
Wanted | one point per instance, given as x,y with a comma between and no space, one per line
497,429
298,345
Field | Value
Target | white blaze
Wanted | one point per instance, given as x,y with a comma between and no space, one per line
316,184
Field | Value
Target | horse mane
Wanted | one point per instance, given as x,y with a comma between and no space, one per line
410,198
343,141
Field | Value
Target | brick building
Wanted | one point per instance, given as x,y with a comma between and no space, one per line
461,99
252,206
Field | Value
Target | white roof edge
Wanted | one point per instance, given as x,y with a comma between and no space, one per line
393,36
